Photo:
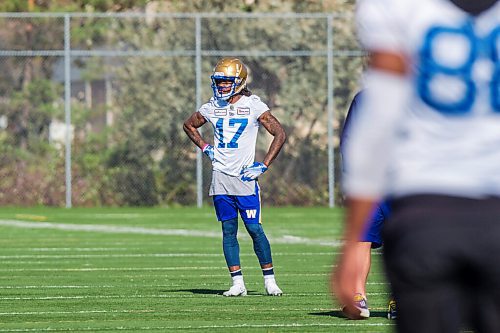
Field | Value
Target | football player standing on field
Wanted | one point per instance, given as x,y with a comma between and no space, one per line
236,115
434,151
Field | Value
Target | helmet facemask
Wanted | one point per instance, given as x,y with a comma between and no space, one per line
229,78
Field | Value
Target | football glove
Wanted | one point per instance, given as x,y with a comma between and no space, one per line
209,151
253,171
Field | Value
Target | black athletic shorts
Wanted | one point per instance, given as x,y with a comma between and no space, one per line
442,257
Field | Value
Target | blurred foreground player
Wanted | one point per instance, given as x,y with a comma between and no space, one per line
434,81
236,115
371,237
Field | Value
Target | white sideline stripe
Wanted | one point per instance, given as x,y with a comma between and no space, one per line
286,239
107,228
21,298
204,327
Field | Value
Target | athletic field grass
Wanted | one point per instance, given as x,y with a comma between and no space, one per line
162,270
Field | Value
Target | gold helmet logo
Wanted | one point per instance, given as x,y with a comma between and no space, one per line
229,77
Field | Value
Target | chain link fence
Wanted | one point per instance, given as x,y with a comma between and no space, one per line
92,105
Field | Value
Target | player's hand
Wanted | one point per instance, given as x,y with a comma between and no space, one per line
209,151
253,171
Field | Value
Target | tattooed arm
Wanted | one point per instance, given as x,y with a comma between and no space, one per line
273,126
191,126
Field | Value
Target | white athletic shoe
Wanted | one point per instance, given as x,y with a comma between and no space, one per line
272,289
236,290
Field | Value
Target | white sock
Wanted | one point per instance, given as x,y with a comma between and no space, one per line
269,279
238,280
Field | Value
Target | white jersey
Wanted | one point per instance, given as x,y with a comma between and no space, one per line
235,132
447,138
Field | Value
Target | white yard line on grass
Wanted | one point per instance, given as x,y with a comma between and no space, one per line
39,298
75,249
163,285
160,274
136,255
182,310
285,239
94,256
55,287
204,327
106,269
30,313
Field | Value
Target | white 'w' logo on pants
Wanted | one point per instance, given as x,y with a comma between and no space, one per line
251,213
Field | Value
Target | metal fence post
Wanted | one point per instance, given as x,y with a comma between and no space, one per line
67,105
199,164
331,114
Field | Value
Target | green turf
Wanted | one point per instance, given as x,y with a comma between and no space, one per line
162,270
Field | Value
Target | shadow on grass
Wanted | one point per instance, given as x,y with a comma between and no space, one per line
196,291
339,314
204,291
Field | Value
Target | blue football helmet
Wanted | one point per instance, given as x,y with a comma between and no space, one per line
229,78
